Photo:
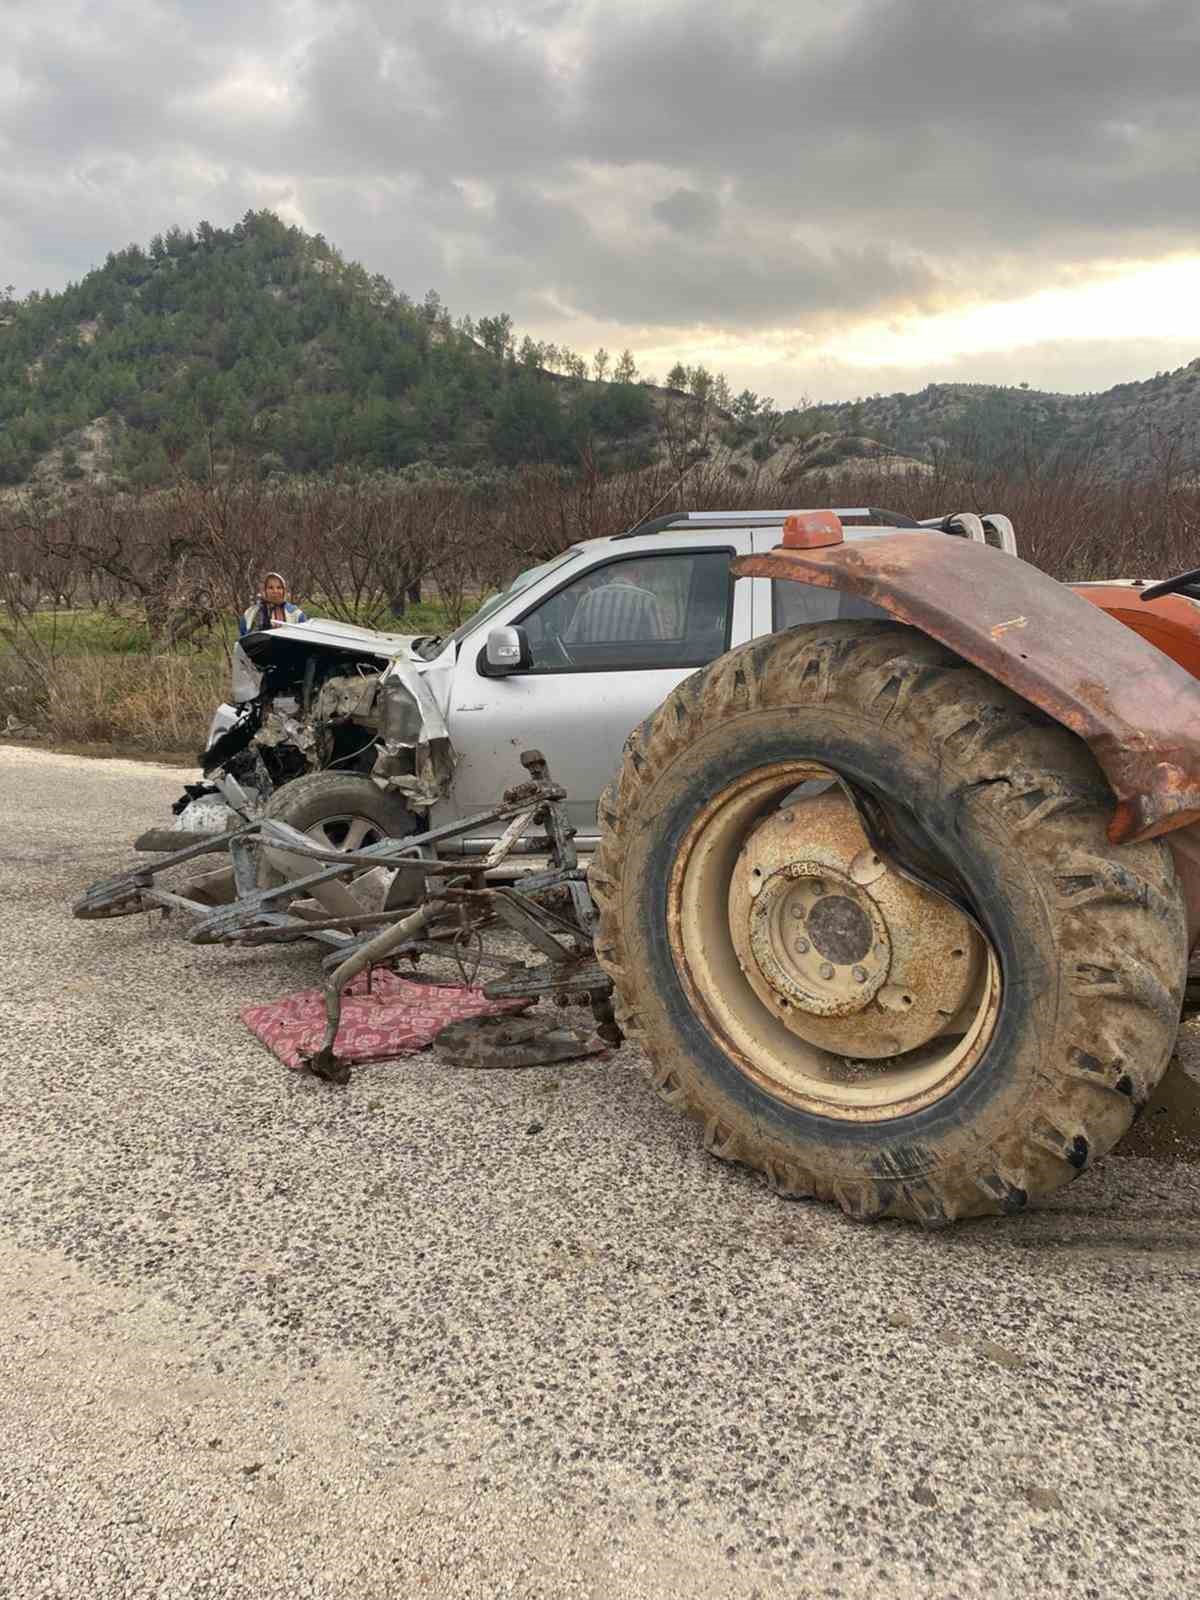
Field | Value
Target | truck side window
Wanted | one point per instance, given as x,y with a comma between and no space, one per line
637,612
793,604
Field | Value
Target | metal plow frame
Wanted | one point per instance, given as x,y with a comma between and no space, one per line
551,910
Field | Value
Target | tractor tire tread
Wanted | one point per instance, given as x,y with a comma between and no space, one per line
1120,909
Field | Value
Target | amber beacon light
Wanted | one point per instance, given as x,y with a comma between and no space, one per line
809,530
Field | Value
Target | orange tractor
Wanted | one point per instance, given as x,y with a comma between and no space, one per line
901,910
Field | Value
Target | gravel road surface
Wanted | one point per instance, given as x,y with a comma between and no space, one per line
454,1334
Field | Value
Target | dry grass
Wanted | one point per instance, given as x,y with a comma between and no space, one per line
153,704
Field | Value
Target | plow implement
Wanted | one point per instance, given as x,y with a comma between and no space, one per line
434,905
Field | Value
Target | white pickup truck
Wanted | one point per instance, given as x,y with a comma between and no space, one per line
353,735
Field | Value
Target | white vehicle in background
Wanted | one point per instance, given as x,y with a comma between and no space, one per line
353,735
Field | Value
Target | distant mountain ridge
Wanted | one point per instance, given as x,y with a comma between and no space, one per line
262,343
1130,428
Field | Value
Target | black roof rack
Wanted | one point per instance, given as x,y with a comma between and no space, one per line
714,520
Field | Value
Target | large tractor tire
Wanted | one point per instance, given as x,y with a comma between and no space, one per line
951,1012
338,811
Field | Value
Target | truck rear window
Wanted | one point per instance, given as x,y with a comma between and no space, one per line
793,604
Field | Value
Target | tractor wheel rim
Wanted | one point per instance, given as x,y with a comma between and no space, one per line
834,982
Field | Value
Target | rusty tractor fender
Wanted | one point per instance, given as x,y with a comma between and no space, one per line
1136,709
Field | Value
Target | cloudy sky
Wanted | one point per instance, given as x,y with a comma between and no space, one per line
819,197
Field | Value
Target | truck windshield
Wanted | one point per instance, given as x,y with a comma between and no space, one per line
433,644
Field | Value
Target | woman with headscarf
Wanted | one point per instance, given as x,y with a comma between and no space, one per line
272,608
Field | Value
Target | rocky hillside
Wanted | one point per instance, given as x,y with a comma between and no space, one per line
1131,428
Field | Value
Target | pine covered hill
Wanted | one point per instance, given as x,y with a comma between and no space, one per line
261,343
261,339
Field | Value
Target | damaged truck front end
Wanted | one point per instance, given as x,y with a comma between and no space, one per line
311,697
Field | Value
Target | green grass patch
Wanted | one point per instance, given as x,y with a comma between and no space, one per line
101,631
428,617
72,632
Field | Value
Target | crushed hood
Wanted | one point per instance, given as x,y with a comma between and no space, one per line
263,647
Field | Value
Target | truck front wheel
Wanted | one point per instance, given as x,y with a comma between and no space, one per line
338,811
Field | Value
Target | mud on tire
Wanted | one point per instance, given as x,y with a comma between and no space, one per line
1089,937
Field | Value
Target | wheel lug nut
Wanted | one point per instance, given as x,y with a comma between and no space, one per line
801,947
826,970
860,974
798,911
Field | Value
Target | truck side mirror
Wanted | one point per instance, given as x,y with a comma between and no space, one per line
506,650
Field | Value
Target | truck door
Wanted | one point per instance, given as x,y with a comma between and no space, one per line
606,648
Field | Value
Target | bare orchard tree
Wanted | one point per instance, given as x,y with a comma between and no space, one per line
37,591
133,542
418,524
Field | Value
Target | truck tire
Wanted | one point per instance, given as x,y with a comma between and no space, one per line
338,809
842,1027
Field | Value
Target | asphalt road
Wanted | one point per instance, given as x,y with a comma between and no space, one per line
262,1337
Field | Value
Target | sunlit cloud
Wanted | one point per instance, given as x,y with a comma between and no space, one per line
1159,301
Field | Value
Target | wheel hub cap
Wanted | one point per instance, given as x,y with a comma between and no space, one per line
818,939
845,951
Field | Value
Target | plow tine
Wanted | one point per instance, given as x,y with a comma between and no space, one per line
230,920
323,1062
123,894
